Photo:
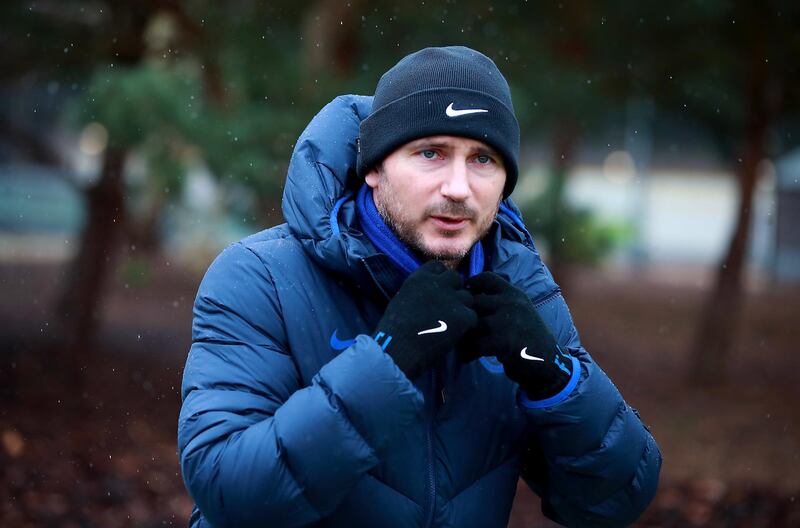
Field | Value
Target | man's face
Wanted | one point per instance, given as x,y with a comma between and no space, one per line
439,194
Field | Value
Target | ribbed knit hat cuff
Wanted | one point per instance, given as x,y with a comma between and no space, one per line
423,113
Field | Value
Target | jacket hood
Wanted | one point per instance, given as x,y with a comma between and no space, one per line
319,196
320,179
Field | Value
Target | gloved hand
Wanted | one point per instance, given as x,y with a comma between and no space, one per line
510,329
425,319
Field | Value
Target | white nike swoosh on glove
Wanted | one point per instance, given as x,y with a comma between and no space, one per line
525,355
441,328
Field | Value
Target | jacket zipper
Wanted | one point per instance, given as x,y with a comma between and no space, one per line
431,464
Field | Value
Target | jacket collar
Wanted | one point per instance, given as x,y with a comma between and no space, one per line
395,261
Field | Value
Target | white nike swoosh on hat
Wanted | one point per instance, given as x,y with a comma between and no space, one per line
452,112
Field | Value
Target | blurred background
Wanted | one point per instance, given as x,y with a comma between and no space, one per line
660,175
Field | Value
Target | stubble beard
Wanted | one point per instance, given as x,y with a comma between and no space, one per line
405,228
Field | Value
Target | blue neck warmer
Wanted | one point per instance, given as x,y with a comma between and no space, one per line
385,241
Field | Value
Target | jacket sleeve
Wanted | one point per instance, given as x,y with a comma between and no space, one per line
591,459
256,447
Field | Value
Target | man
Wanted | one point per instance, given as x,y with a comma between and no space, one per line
396,354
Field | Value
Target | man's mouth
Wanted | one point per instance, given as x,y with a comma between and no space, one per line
449,223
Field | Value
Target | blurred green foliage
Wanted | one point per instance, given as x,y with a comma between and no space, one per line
136,103
572,234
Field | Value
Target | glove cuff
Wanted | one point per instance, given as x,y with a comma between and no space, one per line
529,403
547,386
401,351
550,378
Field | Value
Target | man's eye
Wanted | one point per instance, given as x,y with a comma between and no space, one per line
428,154
483,159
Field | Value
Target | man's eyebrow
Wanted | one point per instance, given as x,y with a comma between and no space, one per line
423,142
429,143
485,149
443,143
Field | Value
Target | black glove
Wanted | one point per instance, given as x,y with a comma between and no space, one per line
510,328
425,319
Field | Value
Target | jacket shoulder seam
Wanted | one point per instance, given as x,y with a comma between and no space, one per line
275,291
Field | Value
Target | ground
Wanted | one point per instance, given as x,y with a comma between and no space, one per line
97,447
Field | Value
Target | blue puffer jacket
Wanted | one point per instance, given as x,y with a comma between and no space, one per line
293,416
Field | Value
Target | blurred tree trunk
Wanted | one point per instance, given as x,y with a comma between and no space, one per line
573,53
331,37
563,149
79,304
80,301
720,317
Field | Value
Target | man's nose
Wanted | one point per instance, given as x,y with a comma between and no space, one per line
456,183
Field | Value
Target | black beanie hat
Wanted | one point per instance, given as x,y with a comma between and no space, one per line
453,91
